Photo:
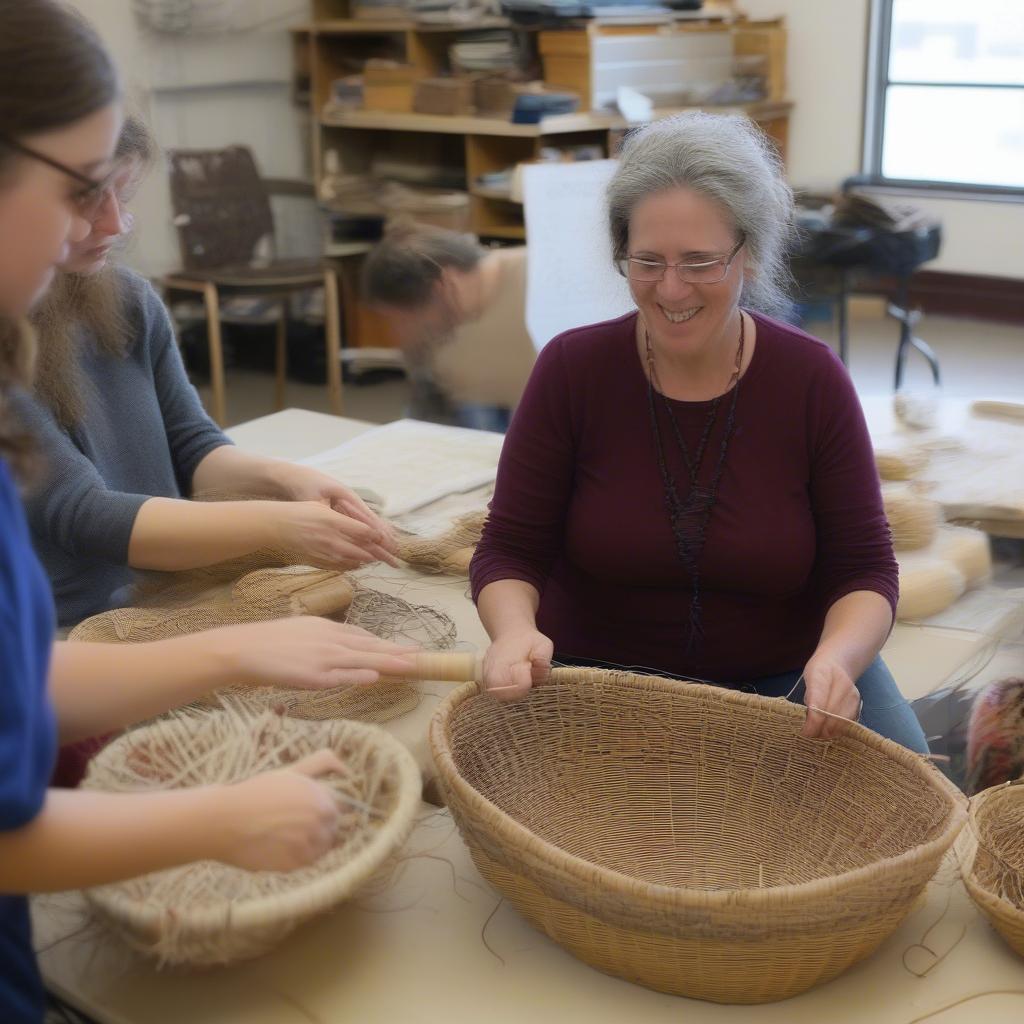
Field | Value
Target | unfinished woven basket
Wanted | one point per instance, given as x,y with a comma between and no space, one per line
991,852
279,592
687,838
209,913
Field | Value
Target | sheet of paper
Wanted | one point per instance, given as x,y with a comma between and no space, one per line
570,277
410,464
437,517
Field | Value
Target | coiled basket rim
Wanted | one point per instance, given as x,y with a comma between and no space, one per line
589,872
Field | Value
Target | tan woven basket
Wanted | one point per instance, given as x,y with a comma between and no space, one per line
688,838
210,913
992,859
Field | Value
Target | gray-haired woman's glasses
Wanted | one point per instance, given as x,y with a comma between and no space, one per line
706,271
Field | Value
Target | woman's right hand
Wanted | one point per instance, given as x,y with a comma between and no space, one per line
515,662
322,537
280,820
307,652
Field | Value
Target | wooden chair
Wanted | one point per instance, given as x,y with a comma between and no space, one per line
226,234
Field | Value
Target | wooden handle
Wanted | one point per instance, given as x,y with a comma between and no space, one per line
442,666
1004,410
328,597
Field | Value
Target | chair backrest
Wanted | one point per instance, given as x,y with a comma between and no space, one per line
221,207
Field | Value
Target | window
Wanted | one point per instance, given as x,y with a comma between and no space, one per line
946,94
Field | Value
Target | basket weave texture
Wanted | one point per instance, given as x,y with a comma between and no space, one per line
687,838
209,913
281,592
991,852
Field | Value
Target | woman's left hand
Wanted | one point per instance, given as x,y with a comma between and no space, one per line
302,483
828,686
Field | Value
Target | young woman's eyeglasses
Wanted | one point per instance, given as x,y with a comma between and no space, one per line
89,198
706,271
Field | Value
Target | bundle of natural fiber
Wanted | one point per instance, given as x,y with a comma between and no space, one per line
280,593
689,838
991,852
968,549
913,519
934,577
928,585
211,913
451,552
901,463
258,596
1006,410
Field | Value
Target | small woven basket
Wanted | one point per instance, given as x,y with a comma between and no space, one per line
209,913
280,592
991,853
687,838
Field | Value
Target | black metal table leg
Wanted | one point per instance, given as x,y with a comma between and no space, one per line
908,318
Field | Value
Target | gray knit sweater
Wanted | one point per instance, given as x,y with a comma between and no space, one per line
143,435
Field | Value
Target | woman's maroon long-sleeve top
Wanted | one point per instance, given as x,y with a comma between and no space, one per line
579,508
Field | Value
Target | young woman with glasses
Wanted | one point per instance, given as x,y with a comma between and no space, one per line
690,488
108,368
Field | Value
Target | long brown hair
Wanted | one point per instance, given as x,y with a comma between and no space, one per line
53,72
80,305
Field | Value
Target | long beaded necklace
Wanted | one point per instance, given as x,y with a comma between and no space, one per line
689,518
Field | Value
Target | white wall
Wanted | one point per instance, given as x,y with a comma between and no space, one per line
205,91
826,71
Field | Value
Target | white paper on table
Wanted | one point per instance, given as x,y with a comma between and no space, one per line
411,464
438,517
570,279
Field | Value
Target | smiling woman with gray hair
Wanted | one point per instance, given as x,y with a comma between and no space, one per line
729,161
691,487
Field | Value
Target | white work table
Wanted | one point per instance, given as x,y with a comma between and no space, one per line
413,954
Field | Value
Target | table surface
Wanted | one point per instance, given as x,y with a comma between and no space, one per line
997,501
415,952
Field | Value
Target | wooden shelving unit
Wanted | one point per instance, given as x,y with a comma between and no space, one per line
451,151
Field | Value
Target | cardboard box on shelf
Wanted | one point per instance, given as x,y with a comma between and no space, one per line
389,86
442,208
495,95
446,96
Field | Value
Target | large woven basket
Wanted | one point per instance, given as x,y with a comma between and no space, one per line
688,838
991,852
209,913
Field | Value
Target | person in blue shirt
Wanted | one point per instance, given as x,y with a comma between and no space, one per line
59,119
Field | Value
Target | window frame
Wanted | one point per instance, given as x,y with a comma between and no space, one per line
877,84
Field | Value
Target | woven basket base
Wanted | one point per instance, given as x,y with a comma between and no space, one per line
1005,918
719,972
689,839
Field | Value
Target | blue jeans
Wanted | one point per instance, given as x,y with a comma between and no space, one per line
885,710
482,417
